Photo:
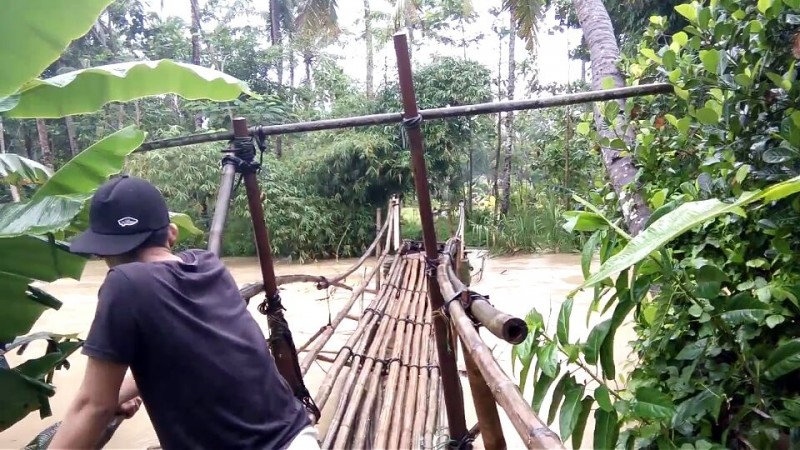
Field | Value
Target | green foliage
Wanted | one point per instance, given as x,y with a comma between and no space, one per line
534,223
712,296
445,82
16,170
87,90
27,387
57,208
302,224
41,30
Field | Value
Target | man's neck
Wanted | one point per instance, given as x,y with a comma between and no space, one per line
157,254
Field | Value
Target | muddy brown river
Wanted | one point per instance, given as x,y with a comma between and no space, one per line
515,285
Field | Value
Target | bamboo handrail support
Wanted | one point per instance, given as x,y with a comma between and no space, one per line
533,431
505,326
250,290
325,335
447,353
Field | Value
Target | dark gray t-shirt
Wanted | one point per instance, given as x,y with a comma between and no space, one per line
200,360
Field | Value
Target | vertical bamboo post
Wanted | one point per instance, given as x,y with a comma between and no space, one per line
281,343
451,383
378,227
485,406
397,231
221,208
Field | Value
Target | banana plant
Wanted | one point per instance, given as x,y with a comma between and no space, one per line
38,227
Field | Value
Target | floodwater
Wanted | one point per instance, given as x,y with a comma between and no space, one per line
514,284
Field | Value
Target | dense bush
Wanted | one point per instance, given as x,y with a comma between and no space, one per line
302,224
716,343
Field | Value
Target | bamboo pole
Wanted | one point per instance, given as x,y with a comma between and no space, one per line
367,423
485,406
451,383
349,377
411,345
534,432
403,309
412,394
378,252
434,403
423,389
427,114
385,420
505,326
221,208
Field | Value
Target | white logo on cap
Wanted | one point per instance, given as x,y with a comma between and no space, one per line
127,222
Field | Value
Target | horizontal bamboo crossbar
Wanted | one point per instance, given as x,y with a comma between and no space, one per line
427,114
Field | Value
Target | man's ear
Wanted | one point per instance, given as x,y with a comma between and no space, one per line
172,237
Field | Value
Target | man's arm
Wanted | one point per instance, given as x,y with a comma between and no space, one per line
93,407
128,391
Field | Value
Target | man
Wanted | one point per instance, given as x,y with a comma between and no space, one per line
198,358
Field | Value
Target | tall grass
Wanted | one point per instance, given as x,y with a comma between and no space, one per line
533,224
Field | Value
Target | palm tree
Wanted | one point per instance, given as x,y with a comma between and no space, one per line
599,35
370,48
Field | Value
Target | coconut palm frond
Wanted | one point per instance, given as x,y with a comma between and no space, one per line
319,16
528,15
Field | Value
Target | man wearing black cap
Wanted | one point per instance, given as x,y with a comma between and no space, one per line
198,358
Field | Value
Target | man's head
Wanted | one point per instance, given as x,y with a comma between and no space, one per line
127,217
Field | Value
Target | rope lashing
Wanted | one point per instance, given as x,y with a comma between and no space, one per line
408,124
431,265
279,330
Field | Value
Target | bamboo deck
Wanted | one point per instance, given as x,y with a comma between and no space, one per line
387,374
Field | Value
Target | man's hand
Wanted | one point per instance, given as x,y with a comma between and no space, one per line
129,408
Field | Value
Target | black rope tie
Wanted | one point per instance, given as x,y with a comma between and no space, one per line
403,288
408,124
446,306
271,305
431,265
412,122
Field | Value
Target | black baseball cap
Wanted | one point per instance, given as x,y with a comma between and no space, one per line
124,212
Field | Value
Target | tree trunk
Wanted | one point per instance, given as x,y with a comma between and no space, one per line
275,39
292,62
195,30
370,48
496,174
73,141
604,53
275,35
497,155
198,118
120,116
27,140
471,175
44,143
509,153
12,188
138,111
583,70
567,138
308,59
